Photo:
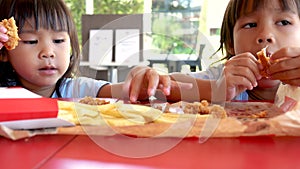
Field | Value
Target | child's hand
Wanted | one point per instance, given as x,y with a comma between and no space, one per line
240,73
143,81
3,36
286,67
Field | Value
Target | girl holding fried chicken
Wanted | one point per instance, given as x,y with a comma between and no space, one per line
47,55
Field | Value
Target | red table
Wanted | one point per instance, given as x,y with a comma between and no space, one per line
31,152
67,151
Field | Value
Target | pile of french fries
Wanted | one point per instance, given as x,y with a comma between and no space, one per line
117,114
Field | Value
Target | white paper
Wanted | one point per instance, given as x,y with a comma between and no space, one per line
289,91
36,123
100,46
127,47
16,92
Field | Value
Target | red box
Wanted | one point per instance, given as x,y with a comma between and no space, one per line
27,108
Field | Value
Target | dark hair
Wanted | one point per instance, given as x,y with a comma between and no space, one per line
237,8
48,14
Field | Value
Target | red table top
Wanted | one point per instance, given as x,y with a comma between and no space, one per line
31,152
67,151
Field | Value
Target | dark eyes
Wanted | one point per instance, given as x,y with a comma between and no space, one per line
250,25
284,22
31,42
58,40
280,23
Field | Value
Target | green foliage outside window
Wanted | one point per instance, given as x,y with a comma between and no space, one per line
165,36
172,27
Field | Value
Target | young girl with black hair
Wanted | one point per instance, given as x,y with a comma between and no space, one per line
48,54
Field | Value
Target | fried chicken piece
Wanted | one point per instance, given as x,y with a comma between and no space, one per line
264,60
12,33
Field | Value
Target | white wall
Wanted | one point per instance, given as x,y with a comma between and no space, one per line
211,17
215,12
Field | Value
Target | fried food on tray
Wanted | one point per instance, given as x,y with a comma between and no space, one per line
86,112
12,32
91,101
264,60
231,119
201,108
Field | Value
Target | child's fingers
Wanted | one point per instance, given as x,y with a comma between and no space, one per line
289,64
246,64
3,29
153,79
3,36
241,81
146,79
288,52
242,74
287,75
165,84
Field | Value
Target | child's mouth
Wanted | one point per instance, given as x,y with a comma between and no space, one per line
48,70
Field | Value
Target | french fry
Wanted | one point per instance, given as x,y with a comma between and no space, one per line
173,118
148,113
83,114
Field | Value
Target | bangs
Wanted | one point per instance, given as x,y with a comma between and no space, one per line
239,8
245,7
46,14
